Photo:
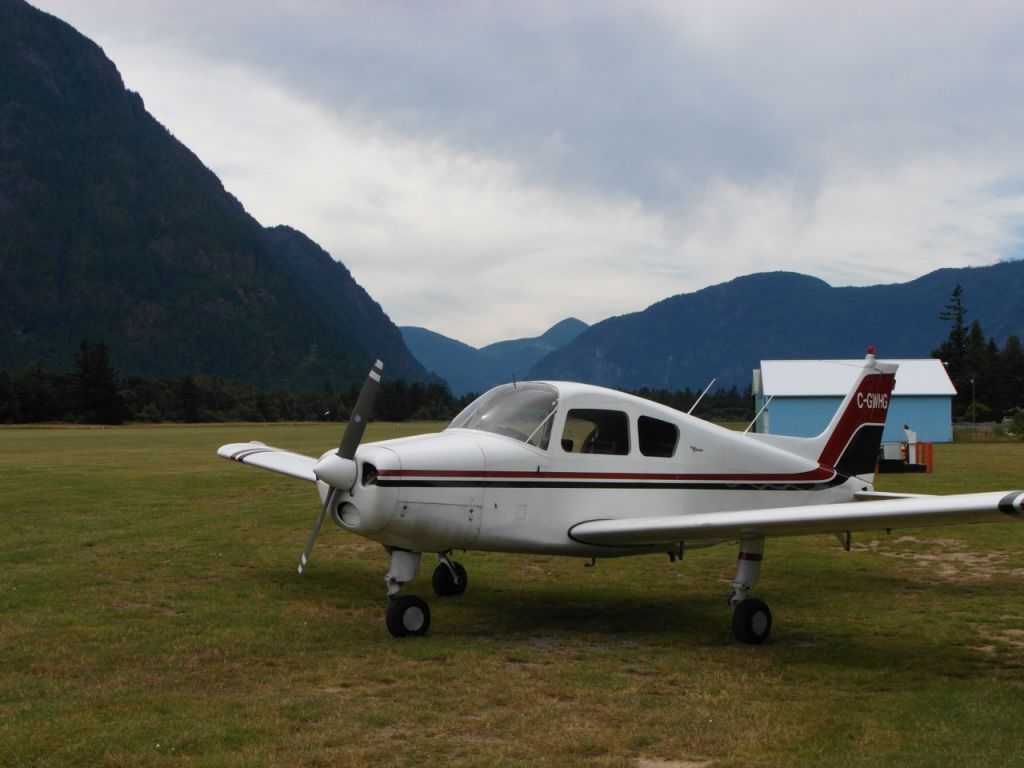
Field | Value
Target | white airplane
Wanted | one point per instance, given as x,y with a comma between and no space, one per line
571,469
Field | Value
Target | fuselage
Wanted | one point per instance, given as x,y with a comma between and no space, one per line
525,463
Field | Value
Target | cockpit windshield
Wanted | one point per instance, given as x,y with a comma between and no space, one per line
522,411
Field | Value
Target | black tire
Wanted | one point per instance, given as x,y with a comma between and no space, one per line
408,616
444,583
751,621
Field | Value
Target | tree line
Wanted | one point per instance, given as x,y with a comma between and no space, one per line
93,392
989,379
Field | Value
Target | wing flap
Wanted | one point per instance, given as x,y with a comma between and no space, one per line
879,495
266,457
798,521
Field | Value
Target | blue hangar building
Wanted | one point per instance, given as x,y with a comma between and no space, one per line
804,395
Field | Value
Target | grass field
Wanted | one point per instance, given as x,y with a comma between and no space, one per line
150,614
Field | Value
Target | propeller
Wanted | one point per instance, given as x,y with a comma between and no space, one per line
338,469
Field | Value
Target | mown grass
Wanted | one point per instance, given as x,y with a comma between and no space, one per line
150,614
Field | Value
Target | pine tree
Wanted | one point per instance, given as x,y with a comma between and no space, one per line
10,406
1011,380
952,351
188,399
98,395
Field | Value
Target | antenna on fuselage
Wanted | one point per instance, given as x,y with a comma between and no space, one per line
758,415
695,402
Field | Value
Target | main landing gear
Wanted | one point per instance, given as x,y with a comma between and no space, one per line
409,615
751,619
450,577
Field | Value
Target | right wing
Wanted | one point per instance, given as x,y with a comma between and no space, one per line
903,512
274,459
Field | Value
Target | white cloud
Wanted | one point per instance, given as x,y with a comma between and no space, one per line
860,227
442,238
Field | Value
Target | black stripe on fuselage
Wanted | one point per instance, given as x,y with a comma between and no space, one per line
605,485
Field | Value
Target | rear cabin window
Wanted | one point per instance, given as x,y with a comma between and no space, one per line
656,437
591,430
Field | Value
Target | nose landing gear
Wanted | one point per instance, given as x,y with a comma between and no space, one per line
409,615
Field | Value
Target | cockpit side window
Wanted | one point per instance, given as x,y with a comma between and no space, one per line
656,437
592,430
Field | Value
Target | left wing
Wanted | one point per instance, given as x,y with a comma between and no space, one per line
274,459
914,512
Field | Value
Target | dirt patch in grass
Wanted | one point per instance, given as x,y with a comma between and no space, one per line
1002,640
1001,651
948,560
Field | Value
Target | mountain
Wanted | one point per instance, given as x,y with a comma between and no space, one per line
519,355
724,330
113,230
468,369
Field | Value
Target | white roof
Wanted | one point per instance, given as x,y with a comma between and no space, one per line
832,378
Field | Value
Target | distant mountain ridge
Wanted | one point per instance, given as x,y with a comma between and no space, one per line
111,229
724,330
468,369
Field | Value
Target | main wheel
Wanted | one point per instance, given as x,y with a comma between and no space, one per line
751,621
408,616
445,584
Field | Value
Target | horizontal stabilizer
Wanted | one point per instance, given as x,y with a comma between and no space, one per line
797,521
274,459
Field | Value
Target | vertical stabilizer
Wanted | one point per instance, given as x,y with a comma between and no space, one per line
851,441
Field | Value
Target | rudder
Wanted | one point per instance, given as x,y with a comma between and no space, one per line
851,441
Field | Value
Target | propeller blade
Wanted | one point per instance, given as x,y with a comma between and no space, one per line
342,474
361,413
316,530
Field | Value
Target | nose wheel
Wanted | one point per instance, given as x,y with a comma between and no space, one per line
408,616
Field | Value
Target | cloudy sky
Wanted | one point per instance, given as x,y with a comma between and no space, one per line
486,169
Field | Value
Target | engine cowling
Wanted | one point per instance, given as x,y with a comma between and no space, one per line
366,507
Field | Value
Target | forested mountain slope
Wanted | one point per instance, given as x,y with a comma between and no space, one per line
112,230
725,330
